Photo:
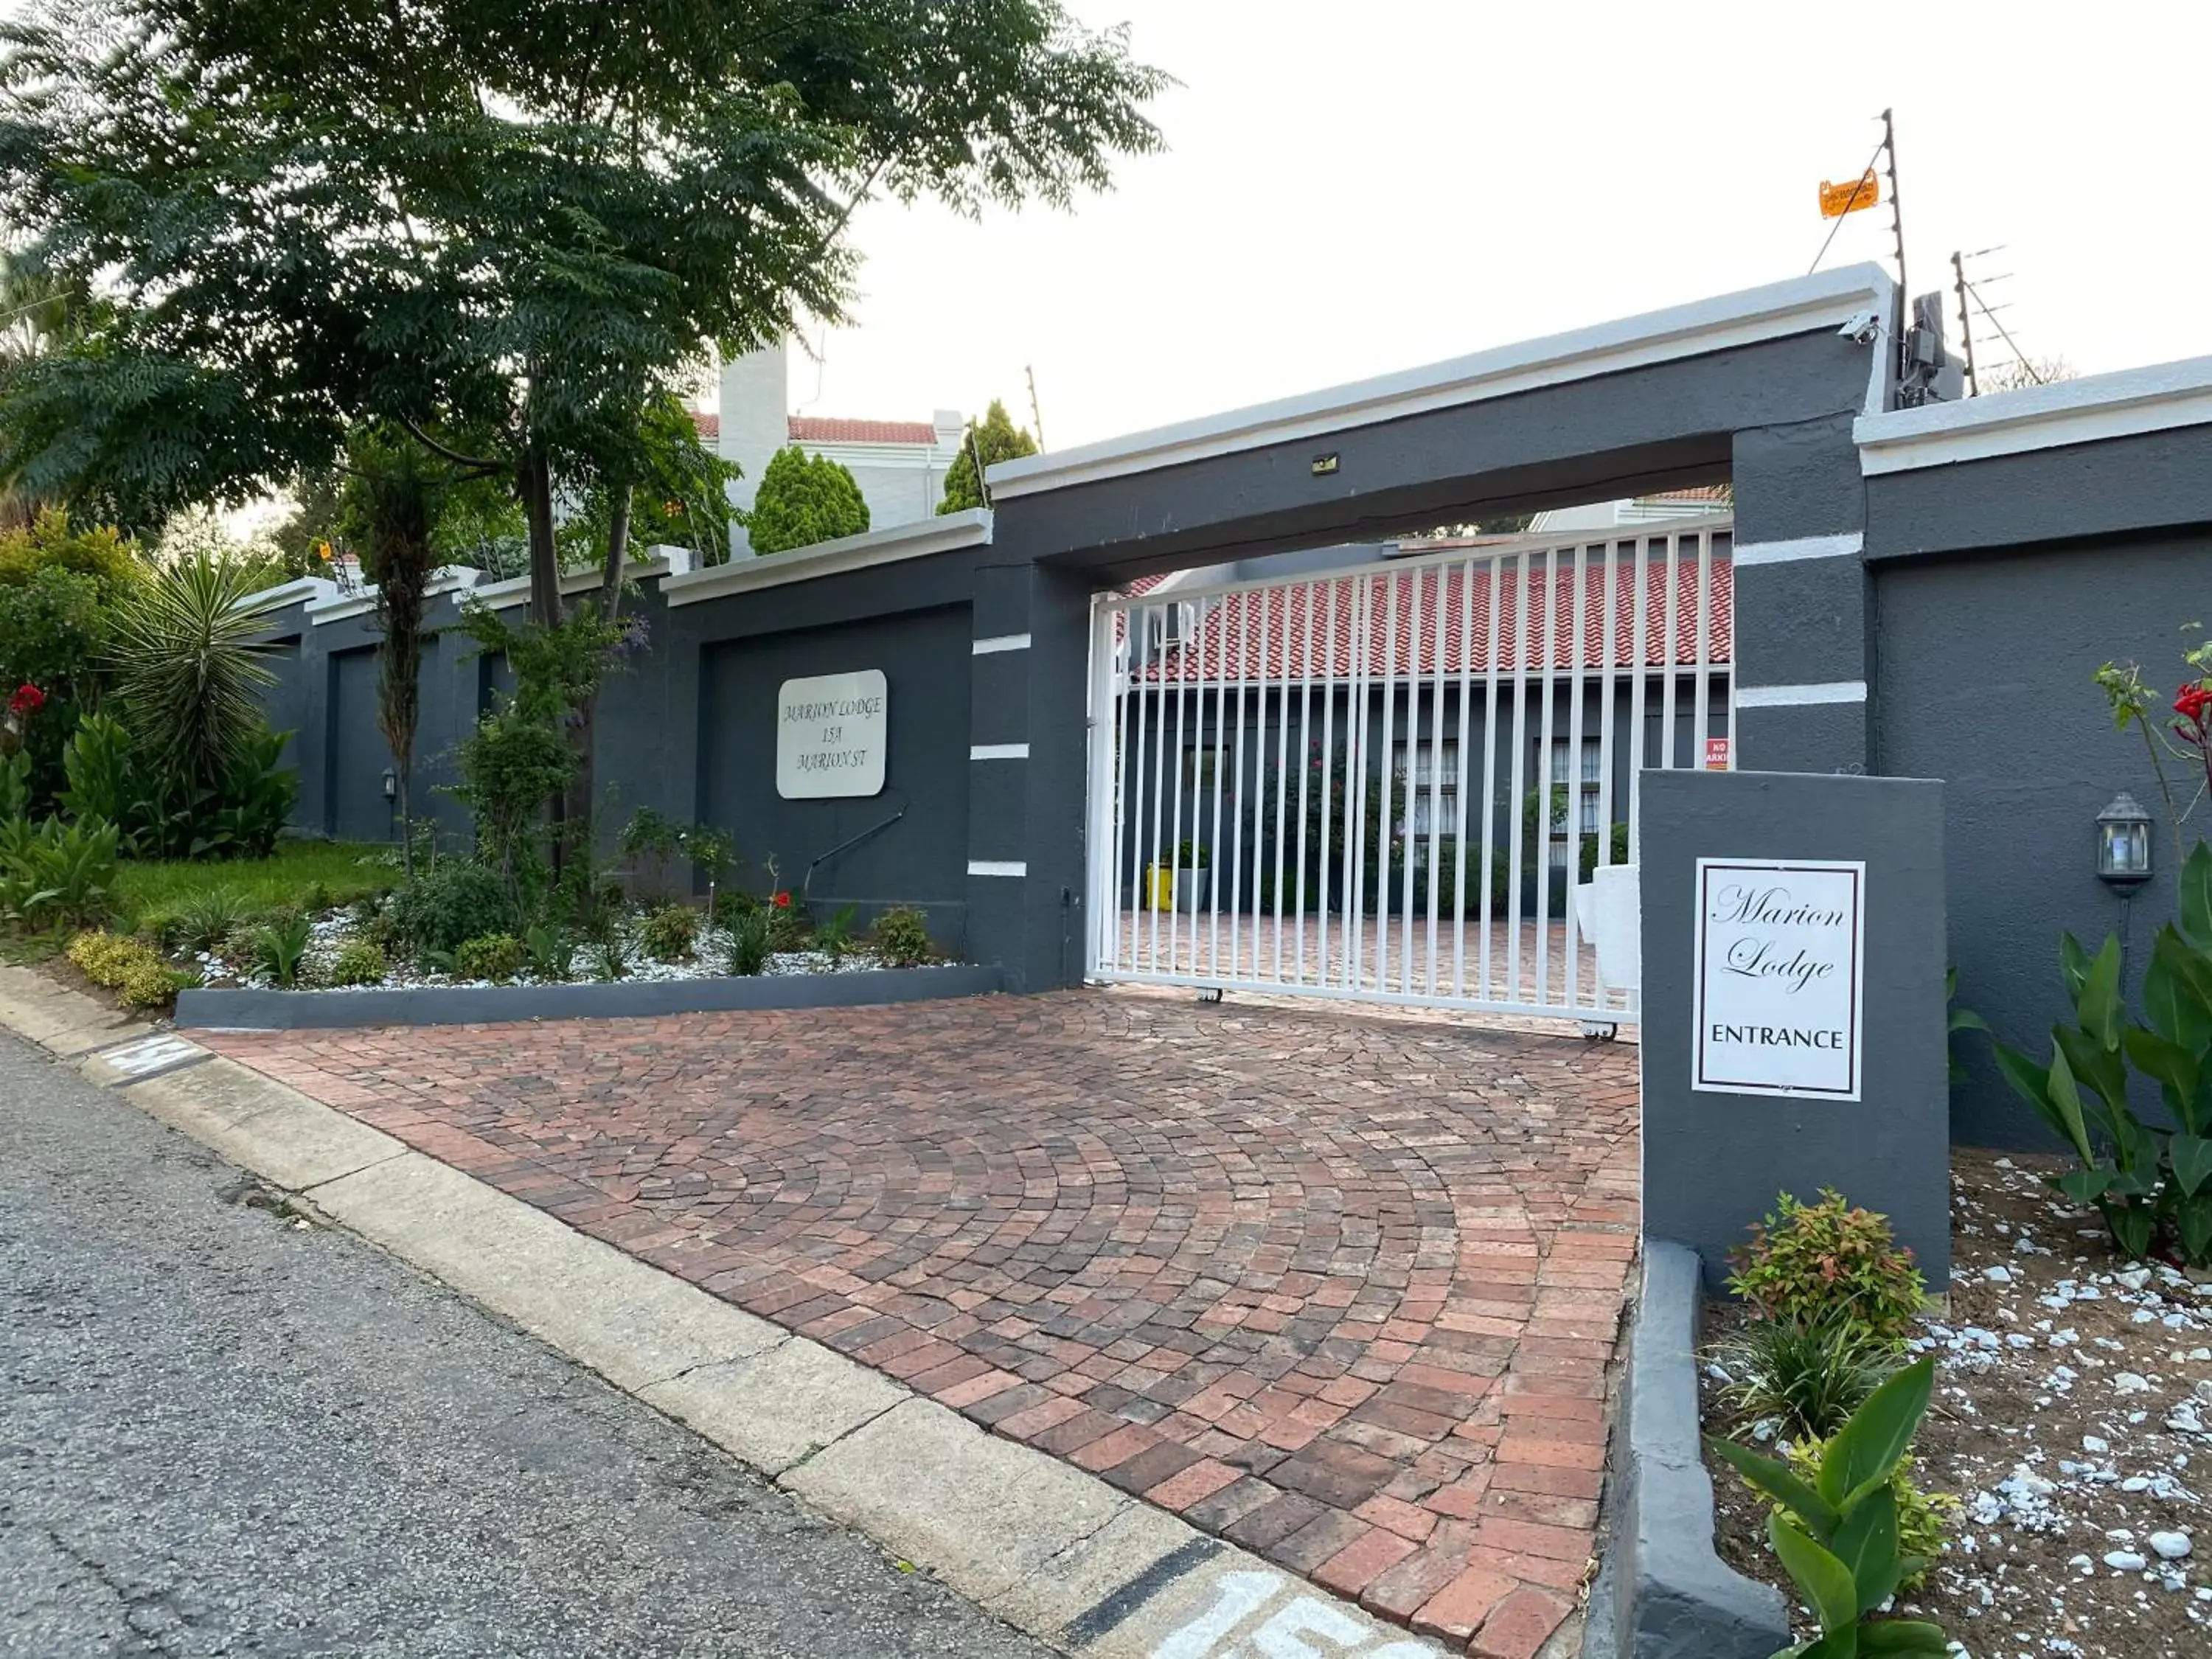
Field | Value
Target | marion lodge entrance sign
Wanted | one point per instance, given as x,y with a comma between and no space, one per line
1780,977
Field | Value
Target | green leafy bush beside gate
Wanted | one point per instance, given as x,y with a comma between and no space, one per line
2148,1183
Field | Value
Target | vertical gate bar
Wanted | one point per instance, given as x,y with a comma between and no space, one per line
1385,831
1704,648
1190,656
1640,653
1460,776
1410,795
1355,815
1488,902
1608,736
1436,767
1139,696
1673,601
1105,851
1236,785
1305,775
1515,819
1211,886
1571,876
1283,761
1324,868
1128,827
1155,712
1545,781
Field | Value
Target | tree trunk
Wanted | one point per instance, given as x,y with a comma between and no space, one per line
610,580
535,485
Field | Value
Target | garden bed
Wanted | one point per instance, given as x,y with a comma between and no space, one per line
2072,1418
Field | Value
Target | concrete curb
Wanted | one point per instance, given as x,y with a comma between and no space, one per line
492,1004
1662,1593
1057,1553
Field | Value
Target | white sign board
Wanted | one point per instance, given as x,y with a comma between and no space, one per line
1781,977
830,732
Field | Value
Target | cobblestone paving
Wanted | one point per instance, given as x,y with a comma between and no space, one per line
1341,1289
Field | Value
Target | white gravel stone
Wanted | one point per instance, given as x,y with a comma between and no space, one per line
2171,1546
2126,1561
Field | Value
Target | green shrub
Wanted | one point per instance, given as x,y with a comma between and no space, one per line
495,956
50,543
804,499
666,932
609,957
903,937
748,942
1825,1262
834,938
787,923
731,902
57,872
2144,1182
360,963
1810,1376
1923,1518
1839,1535
129,968
205,920
15,786
53,636
279,945
163,816
454,901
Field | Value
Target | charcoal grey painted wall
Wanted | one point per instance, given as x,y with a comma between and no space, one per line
1985,681
1714,1162
922,858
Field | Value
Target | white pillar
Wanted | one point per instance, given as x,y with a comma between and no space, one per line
756,422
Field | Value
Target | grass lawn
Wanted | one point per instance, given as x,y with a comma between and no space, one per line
300,873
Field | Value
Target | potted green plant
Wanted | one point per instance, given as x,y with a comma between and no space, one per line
1194,878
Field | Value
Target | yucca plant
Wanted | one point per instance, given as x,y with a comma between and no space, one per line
1837,1535
188,664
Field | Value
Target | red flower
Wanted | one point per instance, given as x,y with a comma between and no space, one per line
28,700
783,901
2190,703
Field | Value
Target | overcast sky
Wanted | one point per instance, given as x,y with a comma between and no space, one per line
1355,188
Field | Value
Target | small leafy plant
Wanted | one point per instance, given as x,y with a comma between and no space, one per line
749,943
128,967
667,931
279,945
207,918
903,937
495,956
454,901
360,963
1806,1375
548,952
1838,1534
834,938
1817,1263
1923,1518
2145,1181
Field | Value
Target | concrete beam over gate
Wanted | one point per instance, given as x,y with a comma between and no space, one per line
1760,389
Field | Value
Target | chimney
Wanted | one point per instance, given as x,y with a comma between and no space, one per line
756,422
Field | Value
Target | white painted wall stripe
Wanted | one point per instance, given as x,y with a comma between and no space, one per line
999,752
2097,407
1801,547
996,867
999,642
1792,696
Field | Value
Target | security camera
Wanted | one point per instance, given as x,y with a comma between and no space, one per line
1863,329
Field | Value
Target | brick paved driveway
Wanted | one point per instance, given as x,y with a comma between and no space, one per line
1340,1289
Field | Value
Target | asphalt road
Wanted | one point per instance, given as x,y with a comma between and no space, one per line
224,1434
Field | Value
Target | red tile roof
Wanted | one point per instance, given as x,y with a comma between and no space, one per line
1262,633
824,429
709,425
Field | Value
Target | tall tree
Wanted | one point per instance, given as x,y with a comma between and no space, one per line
993,439
531,219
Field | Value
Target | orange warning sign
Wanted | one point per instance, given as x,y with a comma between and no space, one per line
1850,196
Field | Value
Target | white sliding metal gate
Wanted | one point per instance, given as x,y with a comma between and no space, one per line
1336,786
